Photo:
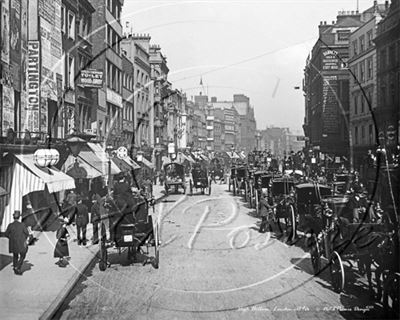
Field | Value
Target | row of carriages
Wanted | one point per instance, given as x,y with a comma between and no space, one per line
323,215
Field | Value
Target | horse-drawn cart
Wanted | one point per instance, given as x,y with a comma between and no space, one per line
200,179
131,227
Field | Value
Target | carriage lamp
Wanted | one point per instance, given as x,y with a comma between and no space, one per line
46,157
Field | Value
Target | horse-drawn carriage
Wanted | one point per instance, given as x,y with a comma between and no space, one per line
174,177
216,169
282,192
200,179
239,180
261,181
131,227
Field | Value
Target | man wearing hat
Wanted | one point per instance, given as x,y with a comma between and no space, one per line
17,233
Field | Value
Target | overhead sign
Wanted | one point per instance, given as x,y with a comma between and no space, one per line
171,148
330,60
91,78
33,86
122,152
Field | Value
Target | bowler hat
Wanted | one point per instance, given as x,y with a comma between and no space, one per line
16,214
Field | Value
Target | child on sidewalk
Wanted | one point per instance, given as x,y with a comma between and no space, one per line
61,250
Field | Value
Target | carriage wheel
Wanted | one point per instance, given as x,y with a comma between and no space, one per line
315,254
191,187
184,189
229,184
156,260
337,272
256,202
391,289
166,189
103,249
291,225
234,187
209,187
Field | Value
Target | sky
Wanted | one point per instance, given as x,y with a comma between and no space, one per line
254,47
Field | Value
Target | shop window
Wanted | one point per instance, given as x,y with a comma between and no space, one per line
71,25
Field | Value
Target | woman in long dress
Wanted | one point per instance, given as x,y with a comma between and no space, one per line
61,250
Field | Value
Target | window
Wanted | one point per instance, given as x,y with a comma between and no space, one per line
343,35
63,24
370,134
362,71
362,104
355,47
71,71
369,39
71,25
356,135
362,134
369,69
362,44
355,104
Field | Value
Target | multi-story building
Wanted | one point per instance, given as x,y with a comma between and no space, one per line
218,135
387,42
106,40
363,84
247,122
128,126
209,110
159,75
326,86
137,48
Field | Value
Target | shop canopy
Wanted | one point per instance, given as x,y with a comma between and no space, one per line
3,192
97,158
185,157
147,163
131,163
232,155
54,179
91,172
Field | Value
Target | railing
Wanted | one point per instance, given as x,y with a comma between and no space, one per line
24,137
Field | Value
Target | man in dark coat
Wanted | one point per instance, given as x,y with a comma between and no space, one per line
95,218
17,233
81,220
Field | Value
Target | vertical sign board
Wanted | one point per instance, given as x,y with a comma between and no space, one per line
33,86
330,105
5,32
8,109
24,39
15,43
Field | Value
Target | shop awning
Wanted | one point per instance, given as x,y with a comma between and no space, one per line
97,158
132,163
204,157
54,179
3,192
147,163
185,157
233,155
191,159
165,160
90,171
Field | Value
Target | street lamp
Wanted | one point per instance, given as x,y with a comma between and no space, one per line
46,157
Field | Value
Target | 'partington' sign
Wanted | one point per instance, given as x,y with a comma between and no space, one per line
33,84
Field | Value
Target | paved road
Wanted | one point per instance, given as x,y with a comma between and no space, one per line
214,265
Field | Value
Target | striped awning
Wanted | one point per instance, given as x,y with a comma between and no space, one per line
185,157
233,155
54,179
98,158
132,163
147,163
90,170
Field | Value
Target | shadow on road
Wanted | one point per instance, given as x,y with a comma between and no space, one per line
5,260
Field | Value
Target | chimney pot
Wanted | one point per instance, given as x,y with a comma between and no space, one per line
333,22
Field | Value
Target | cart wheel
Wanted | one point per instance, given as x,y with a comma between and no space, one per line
256,202
229,184
246,191
234,187
156,248
103,249
251,197
191,187
166,189
315,255
391,291
291,226
184,189
209,187
337,272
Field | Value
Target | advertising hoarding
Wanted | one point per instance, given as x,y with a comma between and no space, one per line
91,78
33,86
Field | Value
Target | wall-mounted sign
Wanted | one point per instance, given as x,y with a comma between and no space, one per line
33,86
91,78
330,60
114,98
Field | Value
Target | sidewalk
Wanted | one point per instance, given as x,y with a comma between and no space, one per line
43,285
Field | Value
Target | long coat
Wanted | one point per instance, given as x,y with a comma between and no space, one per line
82,215
17,233
61,250
266,209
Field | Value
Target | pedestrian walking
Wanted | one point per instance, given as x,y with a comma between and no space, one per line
81,221
71,200
17,234
95,218
265,212
61,251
